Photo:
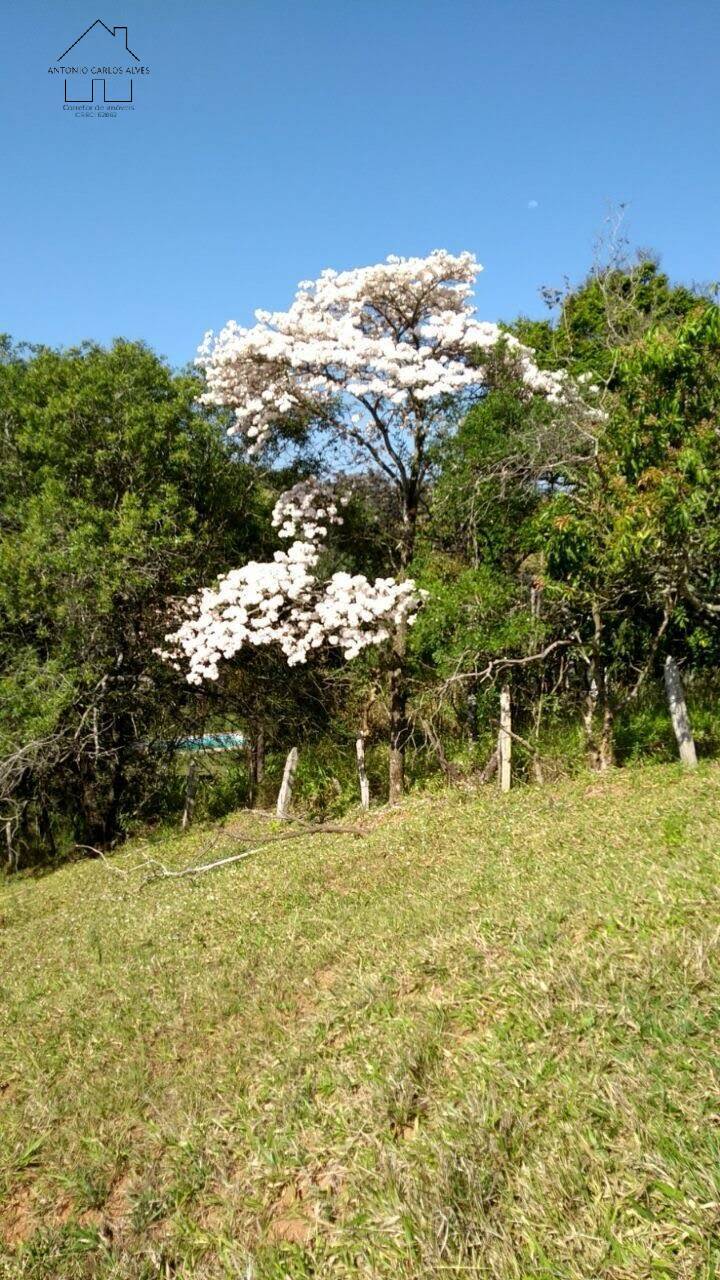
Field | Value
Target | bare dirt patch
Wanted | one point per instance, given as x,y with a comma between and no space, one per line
290,1220
19,1218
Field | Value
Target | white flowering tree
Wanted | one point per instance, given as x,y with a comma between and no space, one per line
373,359
282,602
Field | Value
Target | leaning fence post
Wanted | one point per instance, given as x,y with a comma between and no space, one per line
679,713
285,794
505,739
362,774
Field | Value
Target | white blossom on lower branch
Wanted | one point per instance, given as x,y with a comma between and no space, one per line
282,602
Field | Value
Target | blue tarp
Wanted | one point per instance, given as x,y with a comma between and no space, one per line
213,742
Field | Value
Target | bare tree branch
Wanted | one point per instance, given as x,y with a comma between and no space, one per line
500,664
323,829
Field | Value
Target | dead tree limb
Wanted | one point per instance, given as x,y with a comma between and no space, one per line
325,829
448,767
486,774
497,665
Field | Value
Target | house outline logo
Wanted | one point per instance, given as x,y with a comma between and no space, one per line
111,32
85,80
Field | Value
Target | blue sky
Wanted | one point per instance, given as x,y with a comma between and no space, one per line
272,139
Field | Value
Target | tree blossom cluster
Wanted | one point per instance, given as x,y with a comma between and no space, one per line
307,509
373,351
283,603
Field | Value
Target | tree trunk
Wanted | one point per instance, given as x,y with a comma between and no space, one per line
259,755
45,831
599,714
190,793
399,728
399,731
256,762
599,721
92,821
362,774
472,713
679,713
285,795
397,721
396,777
537,713
607,742
505,740
588,715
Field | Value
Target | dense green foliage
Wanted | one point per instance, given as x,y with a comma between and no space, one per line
565,561
604,544
117,495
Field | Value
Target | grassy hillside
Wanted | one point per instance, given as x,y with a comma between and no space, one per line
478,1041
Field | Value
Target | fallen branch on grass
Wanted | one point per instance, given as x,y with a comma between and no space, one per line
165,873
125,871
144,864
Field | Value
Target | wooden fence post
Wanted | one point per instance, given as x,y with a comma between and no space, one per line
285,795
362,774
679,713
505,739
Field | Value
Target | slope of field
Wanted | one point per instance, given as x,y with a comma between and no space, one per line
481,1040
